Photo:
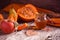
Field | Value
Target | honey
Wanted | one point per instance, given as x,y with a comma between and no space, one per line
40,21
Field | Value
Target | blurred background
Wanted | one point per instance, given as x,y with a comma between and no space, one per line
53,5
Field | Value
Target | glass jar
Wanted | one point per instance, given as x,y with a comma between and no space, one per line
40,21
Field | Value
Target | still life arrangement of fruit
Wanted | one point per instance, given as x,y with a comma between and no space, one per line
12,15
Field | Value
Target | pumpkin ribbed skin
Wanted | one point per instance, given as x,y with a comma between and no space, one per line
27,13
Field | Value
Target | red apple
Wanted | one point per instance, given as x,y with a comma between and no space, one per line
7,27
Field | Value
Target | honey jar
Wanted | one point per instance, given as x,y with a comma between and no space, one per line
40,21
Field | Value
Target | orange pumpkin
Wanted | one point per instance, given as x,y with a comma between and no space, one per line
28,12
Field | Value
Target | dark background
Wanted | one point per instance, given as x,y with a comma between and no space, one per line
53,5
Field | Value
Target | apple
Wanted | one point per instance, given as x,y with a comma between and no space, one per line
7,26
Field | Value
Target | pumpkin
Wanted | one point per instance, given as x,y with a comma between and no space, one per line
28,12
